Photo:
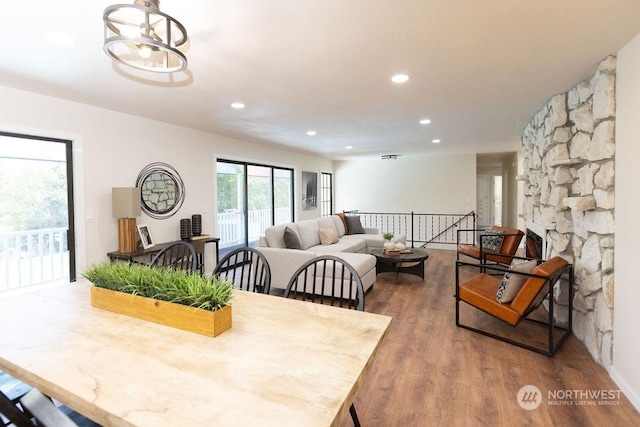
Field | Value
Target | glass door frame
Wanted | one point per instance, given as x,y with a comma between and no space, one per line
71,230
245,196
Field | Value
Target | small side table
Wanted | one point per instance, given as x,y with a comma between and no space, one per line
144,256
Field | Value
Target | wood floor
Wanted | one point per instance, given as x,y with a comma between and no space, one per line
430,372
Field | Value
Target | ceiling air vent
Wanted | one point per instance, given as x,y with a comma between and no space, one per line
389,157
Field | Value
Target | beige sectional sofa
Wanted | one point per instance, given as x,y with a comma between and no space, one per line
353,248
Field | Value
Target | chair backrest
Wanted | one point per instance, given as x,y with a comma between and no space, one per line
44,410
327,279
247,269
178,255
511,241
535,289
11,412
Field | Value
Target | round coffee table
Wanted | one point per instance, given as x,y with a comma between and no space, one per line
397,263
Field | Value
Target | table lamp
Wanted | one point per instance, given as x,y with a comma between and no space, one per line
126,207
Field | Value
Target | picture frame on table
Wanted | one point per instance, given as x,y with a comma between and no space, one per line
145,236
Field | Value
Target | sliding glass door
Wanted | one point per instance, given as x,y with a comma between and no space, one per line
36,218
251,197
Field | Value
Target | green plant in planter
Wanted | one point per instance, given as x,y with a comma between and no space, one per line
387,236
165,284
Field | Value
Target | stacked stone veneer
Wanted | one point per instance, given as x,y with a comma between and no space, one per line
568,151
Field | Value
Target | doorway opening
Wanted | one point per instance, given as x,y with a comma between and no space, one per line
496,190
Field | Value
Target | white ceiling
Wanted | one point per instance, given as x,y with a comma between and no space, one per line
479,69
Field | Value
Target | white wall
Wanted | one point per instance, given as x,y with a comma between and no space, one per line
112,148
626,346
444,184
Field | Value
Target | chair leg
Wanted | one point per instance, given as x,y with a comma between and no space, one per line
354,415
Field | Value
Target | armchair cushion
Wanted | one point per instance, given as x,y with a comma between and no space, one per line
511,283
480,291
492,240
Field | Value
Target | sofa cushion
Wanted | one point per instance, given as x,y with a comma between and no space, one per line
343,245
283,263
308,232
373,240
343,218
275,235
354,226
291,239
339,224
362,263
326,222
328,236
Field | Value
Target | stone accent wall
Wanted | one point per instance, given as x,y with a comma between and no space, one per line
568,151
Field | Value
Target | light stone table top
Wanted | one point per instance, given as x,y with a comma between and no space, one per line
283,362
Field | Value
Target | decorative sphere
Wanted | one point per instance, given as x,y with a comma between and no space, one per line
400,246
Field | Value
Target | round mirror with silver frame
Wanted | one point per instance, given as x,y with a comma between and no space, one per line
161,190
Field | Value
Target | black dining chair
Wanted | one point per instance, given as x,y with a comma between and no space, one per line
44,410
328,279
11,390
178,256
247,268
11,413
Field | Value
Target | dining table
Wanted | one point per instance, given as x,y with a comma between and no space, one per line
284,362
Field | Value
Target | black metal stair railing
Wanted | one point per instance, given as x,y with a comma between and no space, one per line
419,228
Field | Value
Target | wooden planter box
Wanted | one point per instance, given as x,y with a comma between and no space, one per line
204,322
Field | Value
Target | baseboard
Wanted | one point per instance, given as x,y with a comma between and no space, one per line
628,391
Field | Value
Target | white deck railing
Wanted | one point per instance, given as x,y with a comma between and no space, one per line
231,225
33,257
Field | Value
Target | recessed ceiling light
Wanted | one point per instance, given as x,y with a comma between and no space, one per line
425,121
400,78
435,141
312,133
238,105
348,147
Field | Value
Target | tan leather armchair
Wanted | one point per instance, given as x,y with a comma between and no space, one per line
480,292
510,243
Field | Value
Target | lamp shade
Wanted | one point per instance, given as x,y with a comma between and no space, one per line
126,202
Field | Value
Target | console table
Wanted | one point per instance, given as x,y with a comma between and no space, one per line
144,256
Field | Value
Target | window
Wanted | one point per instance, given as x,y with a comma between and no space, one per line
326,191
251,197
